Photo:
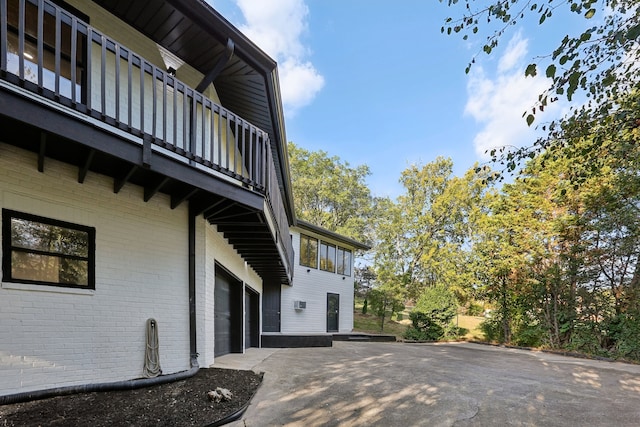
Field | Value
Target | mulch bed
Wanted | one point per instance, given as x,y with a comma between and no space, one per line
181,403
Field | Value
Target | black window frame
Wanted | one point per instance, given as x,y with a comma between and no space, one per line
321,255
67,13
8,249
310,239
340,261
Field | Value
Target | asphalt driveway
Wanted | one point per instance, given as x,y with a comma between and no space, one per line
394,384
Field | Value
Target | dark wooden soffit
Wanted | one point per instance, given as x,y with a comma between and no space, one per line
247,84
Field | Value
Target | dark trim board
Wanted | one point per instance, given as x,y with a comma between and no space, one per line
297,341
357,336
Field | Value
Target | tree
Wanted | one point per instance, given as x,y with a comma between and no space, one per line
386,299
364,280
600,62
561,247
422,240
330,193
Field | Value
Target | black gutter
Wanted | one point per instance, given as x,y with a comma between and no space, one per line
89,388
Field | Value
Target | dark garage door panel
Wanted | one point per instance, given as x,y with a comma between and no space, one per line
222,307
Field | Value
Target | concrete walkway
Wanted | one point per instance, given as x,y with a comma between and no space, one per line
251,358
388,384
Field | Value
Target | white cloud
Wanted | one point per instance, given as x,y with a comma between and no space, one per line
301,83
277,27
516,51
498,102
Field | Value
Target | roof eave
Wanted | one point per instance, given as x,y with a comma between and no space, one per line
335,236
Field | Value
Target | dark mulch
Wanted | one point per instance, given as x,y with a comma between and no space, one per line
181,403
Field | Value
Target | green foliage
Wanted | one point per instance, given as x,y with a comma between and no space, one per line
587,338
421,238
364,280
439,303
431,318
423,328
386,300
365,306
554,252
460,332
529,335
331,193
617,336
624,333
474,309
492,330
599,61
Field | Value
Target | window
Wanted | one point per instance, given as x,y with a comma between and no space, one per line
327,257
47,252
71,70
344,261
308,251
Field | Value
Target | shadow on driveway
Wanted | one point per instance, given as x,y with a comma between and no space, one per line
461,384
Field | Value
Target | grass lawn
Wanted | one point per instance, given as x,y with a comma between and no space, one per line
472,323
370,324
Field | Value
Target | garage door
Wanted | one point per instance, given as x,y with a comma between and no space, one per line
227,314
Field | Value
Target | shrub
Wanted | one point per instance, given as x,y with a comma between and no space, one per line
588,338
492,330
431,318
529,336
475,309
423,328
624,330
460,331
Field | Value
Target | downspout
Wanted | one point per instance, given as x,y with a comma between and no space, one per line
142,382
192,289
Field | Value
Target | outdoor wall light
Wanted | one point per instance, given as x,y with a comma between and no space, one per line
308,270
171,61
343,277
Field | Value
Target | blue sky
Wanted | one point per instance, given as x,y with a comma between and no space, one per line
375,82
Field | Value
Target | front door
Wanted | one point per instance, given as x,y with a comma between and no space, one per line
271,307
333,312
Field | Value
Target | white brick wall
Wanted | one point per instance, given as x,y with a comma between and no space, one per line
53,337
212,247
313,287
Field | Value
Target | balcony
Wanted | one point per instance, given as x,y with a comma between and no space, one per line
71,93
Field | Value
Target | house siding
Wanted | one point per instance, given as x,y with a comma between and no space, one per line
313,287
55,337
